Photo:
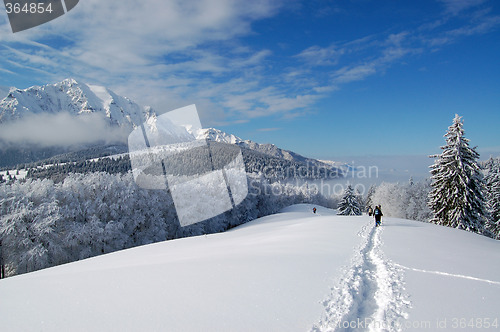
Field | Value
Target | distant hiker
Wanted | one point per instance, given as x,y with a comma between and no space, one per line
378,215
314,210
370,211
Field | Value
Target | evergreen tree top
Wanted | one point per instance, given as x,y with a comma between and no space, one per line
456,199
457,150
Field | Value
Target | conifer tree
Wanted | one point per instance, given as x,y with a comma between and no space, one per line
492,180
456,199
349,204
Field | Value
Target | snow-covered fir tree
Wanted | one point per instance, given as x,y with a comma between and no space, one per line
492,181
349,205
456,199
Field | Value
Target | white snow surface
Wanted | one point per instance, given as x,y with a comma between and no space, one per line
292,271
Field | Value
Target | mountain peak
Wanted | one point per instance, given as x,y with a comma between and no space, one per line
69,81
217,135
272,150
73,97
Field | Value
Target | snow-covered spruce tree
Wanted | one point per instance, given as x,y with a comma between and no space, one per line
349,205
492,180
456,199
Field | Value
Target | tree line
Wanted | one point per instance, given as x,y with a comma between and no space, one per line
45,223
77,210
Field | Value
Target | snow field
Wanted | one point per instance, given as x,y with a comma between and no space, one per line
452,276
292,271
267,275
370,295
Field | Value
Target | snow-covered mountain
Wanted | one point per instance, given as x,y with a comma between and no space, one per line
76,98
293,271
72,97
272,150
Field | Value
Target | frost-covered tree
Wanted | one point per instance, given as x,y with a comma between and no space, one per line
456,199
361,200
349,205
45,222
369,196
492,180
404,200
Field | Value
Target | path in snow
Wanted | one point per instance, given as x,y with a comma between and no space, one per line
370,294
448,274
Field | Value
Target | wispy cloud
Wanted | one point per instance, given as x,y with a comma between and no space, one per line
357,60
321,56
61,130
141,49
455,7
362,58
170,53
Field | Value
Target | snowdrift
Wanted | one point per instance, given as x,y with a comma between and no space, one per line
293,271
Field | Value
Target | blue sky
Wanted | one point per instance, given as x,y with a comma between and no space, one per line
323,78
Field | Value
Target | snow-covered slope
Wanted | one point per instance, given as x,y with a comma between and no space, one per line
74,98
293,271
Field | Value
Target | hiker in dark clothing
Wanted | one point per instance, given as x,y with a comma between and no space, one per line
377,213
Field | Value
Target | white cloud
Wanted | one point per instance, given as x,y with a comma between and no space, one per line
321,56
475,28
135,33
61,130
370,55
171,53
144,48
354,73
455,7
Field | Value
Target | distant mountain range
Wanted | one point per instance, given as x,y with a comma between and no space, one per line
272,150
77,99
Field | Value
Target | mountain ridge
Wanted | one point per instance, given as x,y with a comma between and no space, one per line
78,99
269,149
73,97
